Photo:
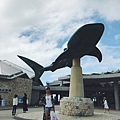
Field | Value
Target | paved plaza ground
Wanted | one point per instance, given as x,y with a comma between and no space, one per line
35,113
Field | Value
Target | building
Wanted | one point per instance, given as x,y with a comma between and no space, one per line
14,80
17,80
96,86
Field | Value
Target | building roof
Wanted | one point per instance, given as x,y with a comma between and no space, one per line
9,70
112,74
94,78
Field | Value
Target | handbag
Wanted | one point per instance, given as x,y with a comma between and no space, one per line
27,101
53,115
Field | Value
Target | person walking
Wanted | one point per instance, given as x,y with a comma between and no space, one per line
105,103
15,103
0,100
25,100
47,100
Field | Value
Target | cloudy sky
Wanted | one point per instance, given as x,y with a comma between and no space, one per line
40,30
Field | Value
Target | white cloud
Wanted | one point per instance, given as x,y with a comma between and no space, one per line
109,9
50,23
110,60
117,37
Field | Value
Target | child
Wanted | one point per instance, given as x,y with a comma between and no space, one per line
106,107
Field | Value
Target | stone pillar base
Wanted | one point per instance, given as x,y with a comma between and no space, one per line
76,106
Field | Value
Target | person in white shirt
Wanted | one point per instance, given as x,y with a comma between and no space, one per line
47,100
106,107
15,103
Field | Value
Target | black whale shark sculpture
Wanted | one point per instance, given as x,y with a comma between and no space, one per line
83,42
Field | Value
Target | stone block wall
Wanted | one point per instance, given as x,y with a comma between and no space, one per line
17,86
76,106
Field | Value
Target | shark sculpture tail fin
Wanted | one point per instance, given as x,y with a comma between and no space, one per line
38,69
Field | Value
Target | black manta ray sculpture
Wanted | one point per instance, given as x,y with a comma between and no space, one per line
83,42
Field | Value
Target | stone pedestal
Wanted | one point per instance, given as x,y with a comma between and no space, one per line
76,106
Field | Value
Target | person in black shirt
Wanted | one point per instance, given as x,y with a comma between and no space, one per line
0,100
25,103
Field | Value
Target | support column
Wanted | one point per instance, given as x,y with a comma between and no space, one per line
76,80
61,96
76,104
116,95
